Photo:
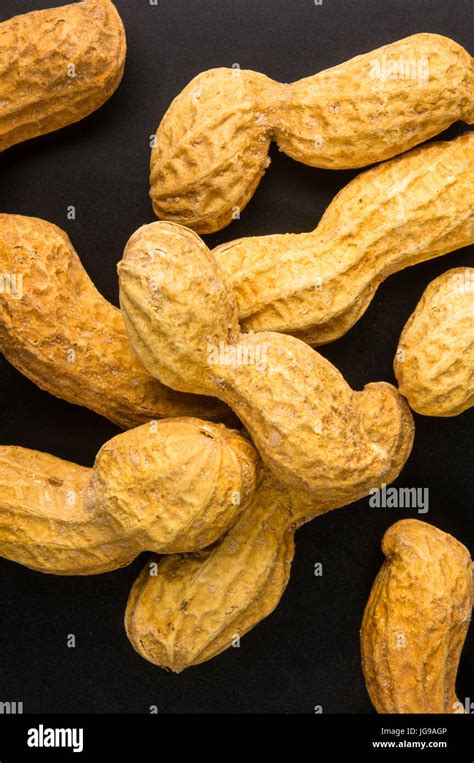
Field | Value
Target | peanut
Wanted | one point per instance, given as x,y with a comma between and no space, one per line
313,432
317,285
212,145
168,486
322,444
434,364
63,335
57,66
197,605
194,606
416,621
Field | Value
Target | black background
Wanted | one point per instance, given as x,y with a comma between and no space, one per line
307,652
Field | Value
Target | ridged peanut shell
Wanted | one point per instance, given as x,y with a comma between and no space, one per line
175,304
312,431
434,364
66,338
39,91
167,486
368,109
416,620
174,485
211,149
317,285
196,605
212,144
46,522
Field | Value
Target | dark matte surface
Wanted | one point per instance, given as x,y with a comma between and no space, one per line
307,652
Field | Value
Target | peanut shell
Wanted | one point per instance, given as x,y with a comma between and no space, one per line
211,147
316,285
196,605
64,336
313,432
168,486
57,66
416,621
434,364
323,445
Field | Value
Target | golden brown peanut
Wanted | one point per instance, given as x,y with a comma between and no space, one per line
197,605
323,444
168,486
190,607
434,364
313,432
62,334
57,66
416,621
317,285
212,144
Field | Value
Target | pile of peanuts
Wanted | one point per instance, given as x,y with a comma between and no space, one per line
237,430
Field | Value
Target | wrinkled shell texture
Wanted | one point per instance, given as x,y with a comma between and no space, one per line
323,444
37,93
434,364
317,285
212,144
193,490
416,621
193,606
168,486
312,431
65,337
174,485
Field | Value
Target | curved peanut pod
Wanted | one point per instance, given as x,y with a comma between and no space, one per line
317,285
434,364
191,607
416,621
166,486
312,431
212,144
57,66
64,336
